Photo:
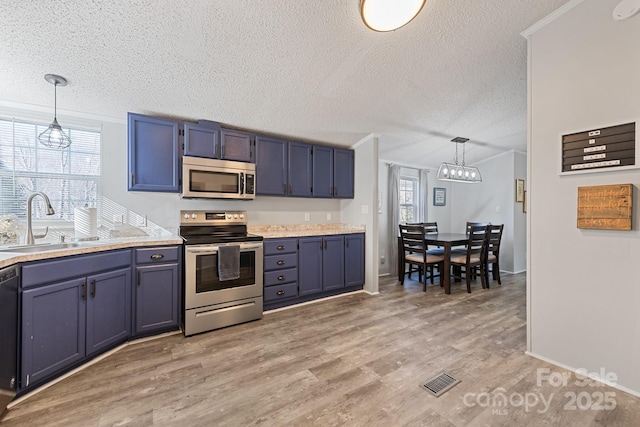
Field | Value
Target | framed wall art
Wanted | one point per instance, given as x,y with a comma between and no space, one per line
439,196
519,190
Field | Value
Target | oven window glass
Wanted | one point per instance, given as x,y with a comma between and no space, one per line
207,279
214,182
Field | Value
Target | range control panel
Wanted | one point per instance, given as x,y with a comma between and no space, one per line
212,217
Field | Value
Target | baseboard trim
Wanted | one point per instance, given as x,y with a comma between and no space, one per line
595,376
275,310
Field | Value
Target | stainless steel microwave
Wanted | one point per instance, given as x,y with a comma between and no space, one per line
217,179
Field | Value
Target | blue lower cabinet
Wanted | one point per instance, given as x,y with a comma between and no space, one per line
280,292
326,265
53,329
354,259
332,263
108,309
310,265
157,298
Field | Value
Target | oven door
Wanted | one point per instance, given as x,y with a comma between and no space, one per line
203,286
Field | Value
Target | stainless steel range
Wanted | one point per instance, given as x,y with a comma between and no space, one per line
216,297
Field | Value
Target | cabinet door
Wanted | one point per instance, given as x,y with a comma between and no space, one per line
322,171
299,170
53,329
236,145
354,259
309,265
271,166
201,141
108,309
333,262
154,154
343,169
157,291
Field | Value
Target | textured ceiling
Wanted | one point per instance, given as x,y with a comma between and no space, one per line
306,69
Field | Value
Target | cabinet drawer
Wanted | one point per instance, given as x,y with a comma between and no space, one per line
280,246
275,262
157,255
280,276
289,290
73,266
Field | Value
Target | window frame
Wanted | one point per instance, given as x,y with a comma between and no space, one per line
65,201
414,205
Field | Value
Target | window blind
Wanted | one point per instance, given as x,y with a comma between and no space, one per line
70,177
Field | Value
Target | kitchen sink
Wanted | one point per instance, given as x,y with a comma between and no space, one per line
46,247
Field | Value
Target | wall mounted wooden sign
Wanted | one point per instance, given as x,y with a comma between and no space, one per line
610,147
605,207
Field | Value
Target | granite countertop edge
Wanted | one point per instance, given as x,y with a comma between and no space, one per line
8,259
272,232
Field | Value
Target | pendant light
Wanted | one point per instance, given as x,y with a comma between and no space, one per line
459,172
389,15
53,136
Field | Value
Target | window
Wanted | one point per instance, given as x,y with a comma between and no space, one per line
408,199
70,177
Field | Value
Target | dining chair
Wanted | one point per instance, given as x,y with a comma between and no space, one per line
493,251
474,257
415,253
472,223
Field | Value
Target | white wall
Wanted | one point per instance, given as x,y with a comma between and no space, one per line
584,295
363,208
481,202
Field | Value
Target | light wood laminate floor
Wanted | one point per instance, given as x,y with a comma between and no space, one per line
355,360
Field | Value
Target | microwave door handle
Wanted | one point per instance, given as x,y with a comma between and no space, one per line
241,183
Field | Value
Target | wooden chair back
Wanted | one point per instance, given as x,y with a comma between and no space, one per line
478,224
494,238
430,227
412,237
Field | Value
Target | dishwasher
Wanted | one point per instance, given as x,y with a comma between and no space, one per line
9,280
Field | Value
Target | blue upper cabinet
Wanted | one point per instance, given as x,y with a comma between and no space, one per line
322,171
201,141
271,166
236,145
343,170
299,170
154,154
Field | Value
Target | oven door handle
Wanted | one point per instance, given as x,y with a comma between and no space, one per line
214,249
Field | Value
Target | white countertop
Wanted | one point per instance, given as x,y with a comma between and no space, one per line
303,230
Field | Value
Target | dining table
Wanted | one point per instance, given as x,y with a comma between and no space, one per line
446,241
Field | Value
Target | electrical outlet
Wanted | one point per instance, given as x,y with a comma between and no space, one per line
328,216
307,217
382,259
498,209
365,209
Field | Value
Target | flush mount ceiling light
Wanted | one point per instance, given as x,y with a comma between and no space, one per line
389,15
53,136
626,9
459,172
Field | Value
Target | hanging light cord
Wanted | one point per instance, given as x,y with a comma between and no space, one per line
455,157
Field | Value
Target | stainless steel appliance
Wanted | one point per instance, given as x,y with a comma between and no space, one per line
212,303
9,279
217,179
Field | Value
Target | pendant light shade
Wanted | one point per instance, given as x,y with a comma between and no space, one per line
389,15
53,136
459,172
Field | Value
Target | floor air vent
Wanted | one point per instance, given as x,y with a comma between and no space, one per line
439,384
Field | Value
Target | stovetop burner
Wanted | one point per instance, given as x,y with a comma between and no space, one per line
205,227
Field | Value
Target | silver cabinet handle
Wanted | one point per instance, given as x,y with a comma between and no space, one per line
157,256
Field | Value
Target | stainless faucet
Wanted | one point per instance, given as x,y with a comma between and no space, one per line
50,211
